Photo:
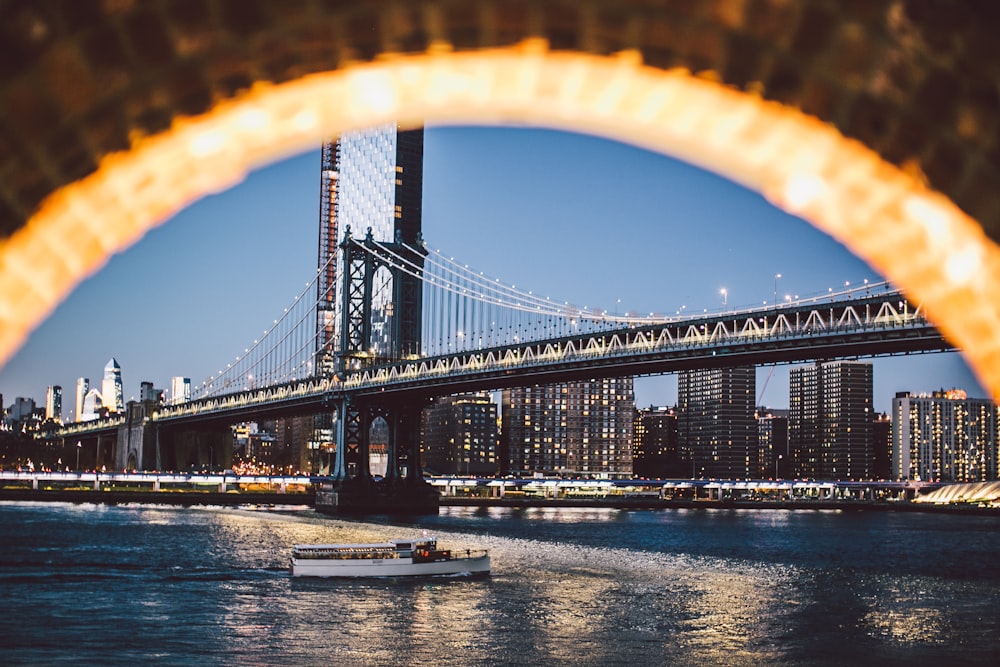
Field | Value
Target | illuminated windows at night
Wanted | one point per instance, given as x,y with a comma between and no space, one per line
944,436
717,429
831,419
574,426
459,435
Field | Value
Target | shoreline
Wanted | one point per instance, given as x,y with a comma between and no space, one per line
657,504
120,497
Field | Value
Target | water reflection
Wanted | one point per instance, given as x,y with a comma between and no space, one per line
581,587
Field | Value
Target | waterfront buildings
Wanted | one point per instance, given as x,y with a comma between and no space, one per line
716,423
53,403
882,447
82,387
655,453
944,436
580,428
291,450
112,396
772,434
830,420
459,435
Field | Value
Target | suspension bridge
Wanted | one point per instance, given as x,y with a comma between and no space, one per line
486,336
386,324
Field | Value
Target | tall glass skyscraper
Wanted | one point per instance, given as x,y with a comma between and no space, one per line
82,387
112,395
53,403
180,389
371,181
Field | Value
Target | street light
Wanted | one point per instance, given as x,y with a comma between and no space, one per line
725,295
776,461
776,276
78,446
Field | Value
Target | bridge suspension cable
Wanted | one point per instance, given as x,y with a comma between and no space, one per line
285,351
463,310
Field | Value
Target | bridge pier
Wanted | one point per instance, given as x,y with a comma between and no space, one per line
352,490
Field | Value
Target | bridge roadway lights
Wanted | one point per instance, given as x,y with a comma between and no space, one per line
357,497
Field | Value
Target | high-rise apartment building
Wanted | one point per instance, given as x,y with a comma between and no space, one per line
82,387
654,451
53,403
944,436
112,396
459,435
716,424
830,420
882,447
570,428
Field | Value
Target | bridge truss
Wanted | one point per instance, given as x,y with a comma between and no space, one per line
842,326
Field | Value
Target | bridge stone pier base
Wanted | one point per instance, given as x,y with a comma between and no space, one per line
135,439
351,489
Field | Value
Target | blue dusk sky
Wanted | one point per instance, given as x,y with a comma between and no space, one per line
576,218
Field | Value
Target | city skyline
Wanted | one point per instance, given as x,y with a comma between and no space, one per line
576,218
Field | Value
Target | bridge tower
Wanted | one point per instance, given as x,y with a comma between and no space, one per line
369,311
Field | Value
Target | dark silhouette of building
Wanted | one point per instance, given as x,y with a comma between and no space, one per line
716,424
772,429
830,420
459,435
655,453
881,447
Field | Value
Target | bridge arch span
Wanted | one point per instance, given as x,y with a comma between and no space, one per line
875,120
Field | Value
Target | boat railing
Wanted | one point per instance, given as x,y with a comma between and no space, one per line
345,554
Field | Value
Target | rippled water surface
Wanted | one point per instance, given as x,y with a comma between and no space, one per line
87,584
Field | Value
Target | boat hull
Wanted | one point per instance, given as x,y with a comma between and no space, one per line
388,567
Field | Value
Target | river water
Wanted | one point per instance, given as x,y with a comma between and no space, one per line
133,584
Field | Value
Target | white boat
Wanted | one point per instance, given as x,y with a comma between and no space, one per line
386,559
